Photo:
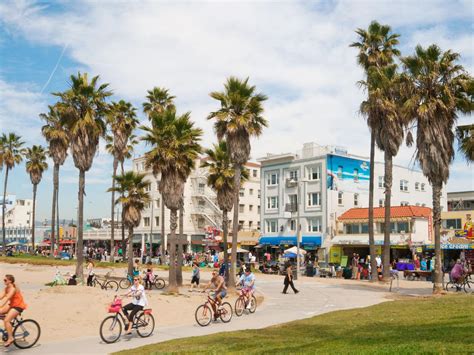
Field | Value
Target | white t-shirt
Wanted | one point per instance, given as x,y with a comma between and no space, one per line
140,298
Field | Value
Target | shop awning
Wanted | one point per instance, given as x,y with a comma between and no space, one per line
307,240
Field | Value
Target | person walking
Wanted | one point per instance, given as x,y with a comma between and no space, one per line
289,280
354,266
90,272
195,277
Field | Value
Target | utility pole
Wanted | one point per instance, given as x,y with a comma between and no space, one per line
298,231
150,254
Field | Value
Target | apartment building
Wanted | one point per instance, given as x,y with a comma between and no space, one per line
324,182
18,213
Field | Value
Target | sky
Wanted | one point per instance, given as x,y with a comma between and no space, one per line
295,52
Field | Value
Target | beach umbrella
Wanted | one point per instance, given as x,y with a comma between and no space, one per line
294,251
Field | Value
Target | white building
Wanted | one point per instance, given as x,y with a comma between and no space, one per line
326,181
18,215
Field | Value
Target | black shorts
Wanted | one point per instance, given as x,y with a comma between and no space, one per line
18,309
195,280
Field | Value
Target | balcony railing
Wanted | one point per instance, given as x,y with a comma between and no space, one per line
291,207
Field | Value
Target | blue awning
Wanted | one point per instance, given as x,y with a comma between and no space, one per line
307,240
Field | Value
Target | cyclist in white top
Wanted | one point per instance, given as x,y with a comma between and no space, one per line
247,281
139,301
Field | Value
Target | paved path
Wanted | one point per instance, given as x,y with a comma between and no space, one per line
315,298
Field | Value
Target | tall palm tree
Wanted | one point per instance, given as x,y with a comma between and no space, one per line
376,47
11,155
438,92
159,100
221,179
122,121
174,142
132,188
238,118
385,101
83,108
35,166
465,135
58,139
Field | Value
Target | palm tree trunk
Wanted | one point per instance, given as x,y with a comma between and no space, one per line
80,226
33,219
388,196
163,241
179,268
173,287
4,239
124,248
235,228
53,209
438,276
112,226
58,234
373,262
225,232
130,250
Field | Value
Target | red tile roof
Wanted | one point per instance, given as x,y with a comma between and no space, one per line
379,212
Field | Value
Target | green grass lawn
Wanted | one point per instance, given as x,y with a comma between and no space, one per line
426,325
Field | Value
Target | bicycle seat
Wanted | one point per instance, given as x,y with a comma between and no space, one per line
147,311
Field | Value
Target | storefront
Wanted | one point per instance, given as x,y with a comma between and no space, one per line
275,245
454,248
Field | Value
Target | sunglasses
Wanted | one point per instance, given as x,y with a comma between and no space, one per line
135,279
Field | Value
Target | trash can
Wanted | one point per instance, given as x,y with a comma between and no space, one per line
309,270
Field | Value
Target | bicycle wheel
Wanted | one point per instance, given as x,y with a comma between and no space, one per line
203,315
469,287
94,283
226,312
112,286
239,306
452,287
26,333
145,325
160,283
110,329
253,304
124,284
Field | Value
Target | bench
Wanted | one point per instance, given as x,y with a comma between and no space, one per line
416,274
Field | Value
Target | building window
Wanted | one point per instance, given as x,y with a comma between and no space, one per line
241,208
254,173
352,228
381,202
148,187
402,227
258,209
250,224
157,221
314,173
293,201
258,224
250,208
202,222
314,225
242,192
293,175
258,194
201,188
340,195
272,226
241,225
339,171
157,203
201,203
417,186
452,223
404,185
364,228
381,183
146,221
272,202
404,203
424,205
292,225
314,199
356,199
356,175
272,179
422,187
250,191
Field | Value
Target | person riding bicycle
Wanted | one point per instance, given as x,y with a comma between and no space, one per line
220,290
457,273
11,305
247,281
149,277
137,291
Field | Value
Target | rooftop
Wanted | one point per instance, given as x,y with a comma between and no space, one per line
379,212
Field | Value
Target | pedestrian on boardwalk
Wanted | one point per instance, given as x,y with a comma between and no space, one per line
289,280
90,272
195,277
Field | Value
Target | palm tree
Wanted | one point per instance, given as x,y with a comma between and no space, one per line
82,109
175,146
385,101
376,49
11,155
57,137
132,188
238,119
221,179
438,92
35,166
159,100
122,121
465,135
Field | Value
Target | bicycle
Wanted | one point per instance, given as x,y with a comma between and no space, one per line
204,313
157,282
106,284
127,282
466,284
111,326
26,332
241,303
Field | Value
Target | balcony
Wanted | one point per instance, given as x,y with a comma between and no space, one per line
289,183
291,207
